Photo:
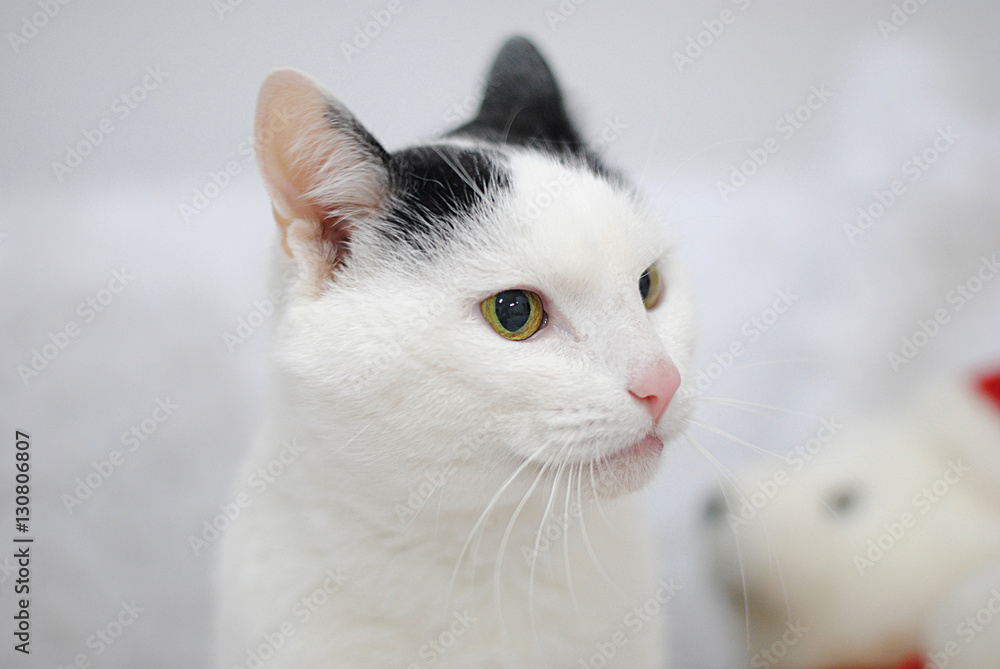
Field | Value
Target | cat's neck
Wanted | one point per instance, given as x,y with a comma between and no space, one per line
396,551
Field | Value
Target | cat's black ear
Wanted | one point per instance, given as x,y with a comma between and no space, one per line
324,172
522,103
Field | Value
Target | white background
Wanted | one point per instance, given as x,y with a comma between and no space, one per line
63,235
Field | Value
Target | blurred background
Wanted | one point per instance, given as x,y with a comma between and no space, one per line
829,167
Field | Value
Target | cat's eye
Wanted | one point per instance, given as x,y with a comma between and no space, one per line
514,314
649,286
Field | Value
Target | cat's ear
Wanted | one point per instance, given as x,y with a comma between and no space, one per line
522,103
324,172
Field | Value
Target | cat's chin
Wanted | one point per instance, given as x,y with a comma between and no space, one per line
629,469
623,471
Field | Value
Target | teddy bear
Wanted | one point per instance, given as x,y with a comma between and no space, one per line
880,552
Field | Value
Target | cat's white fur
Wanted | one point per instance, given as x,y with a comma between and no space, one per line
408,418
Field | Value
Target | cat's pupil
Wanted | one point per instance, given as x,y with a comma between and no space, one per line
513,309
645,282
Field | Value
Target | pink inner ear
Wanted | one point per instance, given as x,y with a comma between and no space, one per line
315,170
989,385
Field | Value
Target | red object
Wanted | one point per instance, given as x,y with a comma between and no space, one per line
990,387
915,661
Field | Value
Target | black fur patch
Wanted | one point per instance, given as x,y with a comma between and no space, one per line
343,120
523,106
435,185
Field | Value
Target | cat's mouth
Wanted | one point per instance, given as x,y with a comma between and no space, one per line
611,474
648,447
626,469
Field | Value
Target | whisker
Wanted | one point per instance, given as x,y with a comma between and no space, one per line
774,559
722,469
586,537
569,575
597,501
743,580
736,537
749,365
733,438
538,539
497,570
649,200
730,401
458,169
482,519
349,441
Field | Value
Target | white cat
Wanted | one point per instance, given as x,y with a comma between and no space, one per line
477,365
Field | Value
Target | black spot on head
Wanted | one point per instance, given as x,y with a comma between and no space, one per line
437,185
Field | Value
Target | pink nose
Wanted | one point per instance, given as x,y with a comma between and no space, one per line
655,386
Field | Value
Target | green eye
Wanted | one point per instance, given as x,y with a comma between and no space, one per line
514,314
649,286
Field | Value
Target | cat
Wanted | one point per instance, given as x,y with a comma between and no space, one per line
476,365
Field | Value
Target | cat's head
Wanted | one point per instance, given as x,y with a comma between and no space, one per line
490,301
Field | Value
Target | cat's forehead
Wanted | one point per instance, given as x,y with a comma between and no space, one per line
569,227
520,215
575,216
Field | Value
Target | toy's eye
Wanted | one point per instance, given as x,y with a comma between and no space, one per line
844,501
649,286
715,509
515,314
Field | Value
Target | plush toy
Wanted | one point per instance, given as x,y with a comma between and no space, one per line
875,545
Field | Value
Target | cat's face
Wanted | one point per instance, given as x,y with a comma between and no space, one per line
473,305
